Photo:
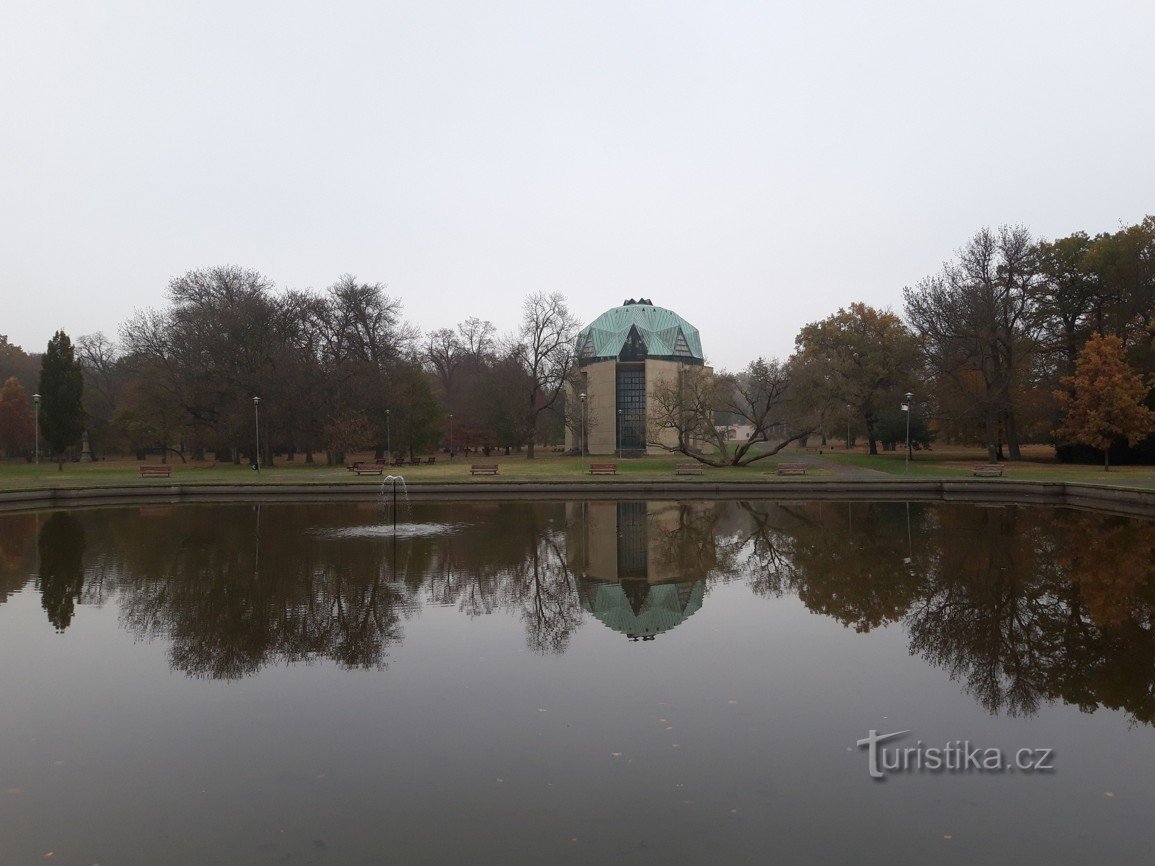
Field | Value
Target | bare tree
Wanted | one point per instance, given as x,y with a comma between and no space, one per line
543,348
978,317
759,396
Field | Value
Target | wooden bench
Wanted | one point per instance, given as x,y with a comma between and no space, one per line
368,469
483,469
688,469
429,461
603,469
153,471
993,470
791,468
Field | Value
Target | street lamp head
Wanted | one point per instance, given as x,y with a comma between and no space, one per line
909,396
256,400
582,395
36,399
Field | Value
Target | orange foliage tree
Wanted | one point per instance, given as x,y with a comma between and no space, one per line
15,418
1103,401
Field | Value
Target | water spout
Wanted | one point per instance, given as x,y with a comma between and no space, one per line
394,479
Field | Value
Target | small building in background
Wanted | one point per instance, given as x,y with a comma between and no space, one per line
622,355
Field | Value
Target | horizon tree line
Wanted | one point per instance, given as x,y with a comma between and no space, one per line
990,346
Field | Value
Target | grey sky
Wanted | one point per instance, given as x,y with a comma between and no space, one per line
753,166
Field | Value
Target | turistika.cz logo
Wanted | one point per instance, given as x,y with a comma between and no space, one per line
957,756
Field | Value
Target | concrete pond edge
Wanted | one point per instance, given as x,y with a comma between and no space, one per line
1098,497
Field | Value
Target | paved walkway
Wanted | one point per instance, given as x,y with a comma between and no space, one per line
844,470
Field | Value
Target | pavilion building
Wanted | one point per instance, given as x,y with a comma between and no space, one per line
622,355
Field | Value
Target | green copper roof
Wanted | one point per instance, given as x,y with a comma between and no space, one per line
636,330
665,606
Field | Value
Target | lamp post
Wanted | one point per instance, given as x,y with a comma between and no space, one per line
36,401
619,434
388,436
848,411
906,409
450,434
583,442
257,431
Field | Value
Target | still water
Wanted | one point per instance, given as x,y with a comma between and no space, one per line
643,682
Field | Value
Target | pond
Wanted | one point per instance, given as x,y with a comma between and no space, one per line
576,682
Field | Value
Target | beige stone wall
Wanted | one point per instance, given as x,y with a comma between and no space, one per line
592,535
601,404
665,371
658,373
601,408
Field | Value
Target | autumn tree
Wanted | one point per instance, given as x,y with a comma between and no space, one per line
860,357
14,361
62,396
16,422
1104,400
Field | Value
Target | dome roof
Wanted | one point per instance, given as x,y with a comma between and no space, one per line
655,609
637,330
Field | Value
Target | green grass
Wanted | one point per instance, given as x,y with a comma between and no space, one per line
553,468
515,468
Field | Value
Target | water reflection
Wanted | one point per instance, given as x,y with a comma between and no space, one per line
641,572
1020,605
61,569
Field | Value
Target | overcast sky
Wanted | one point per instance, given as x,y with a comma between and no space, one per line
753,166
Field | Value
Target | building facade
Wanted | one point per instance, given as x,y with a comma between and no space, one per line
622,356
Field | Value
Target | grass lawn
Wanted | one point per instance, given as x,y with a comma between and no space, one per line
549,467
515,468
1038,464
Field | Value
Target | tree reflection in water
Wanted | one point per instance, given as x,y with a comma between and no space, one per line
1021,605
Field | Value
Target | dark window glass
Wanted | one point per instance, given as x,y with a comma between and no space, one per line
631,407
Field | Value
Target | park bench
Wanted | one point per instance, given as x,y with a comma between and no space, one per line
993,470
603,469
368,469
429,461
483,469
791,468
154,471
688,469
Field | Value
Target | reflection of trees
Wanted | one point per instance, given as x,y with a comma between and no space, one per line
61,546
1021,605
993,607
855,562
233,596
1109,633
17,551
238,587
546,591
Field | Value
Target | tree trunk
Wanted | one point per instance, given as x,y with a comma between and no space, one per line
1107,459
1013,436
992,437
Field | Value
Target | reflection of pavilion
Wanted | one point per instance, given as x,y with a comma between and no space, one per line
628,579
